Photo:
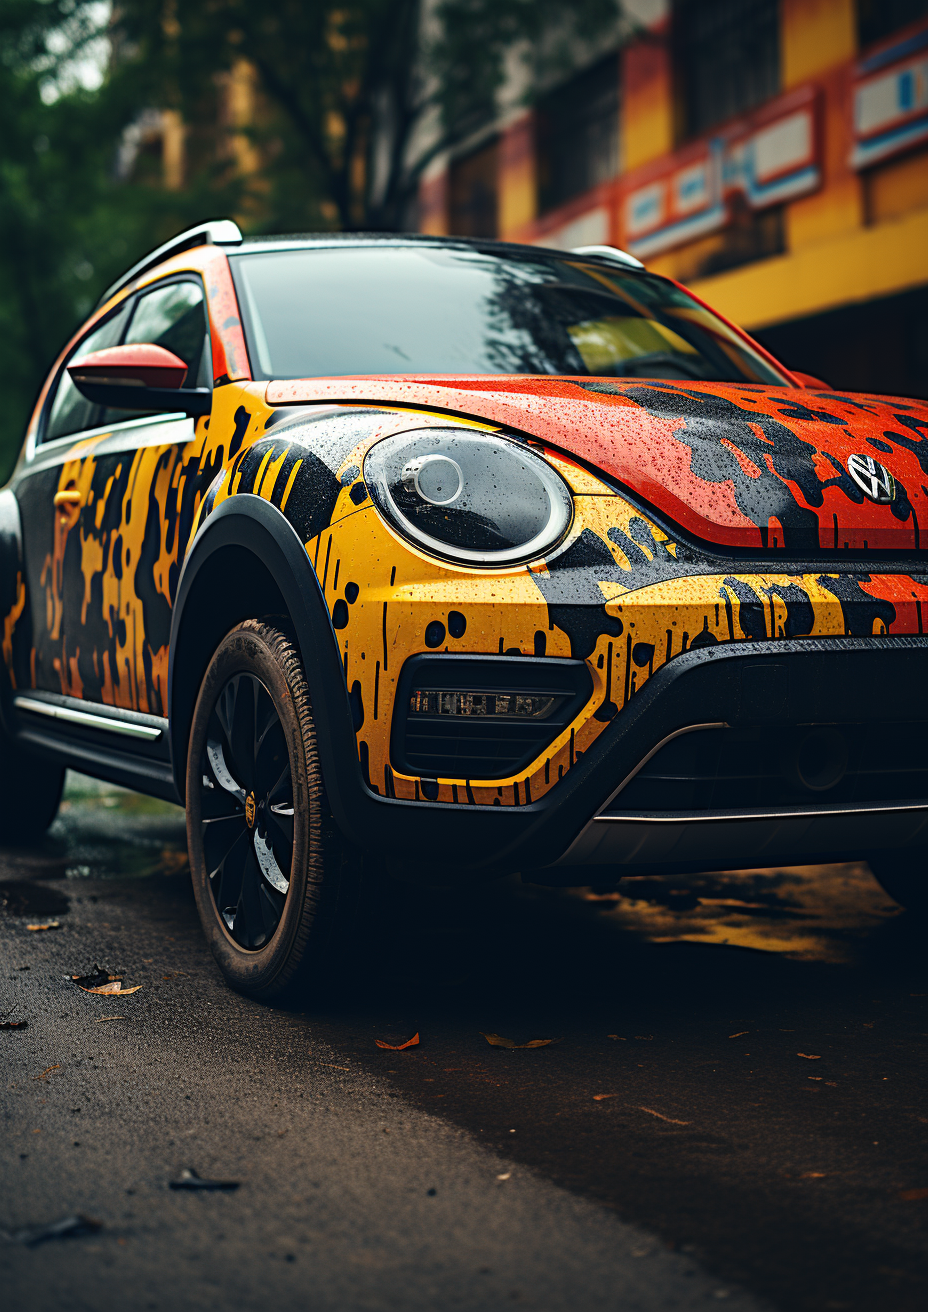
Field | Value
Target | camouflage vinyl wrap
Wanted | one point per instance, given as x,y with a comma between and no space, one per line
91,619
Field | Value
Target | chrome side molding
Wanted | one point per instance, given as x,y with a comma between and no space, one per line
91,720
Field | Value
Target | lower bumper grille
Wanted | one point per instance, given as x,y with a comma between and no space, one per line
779,767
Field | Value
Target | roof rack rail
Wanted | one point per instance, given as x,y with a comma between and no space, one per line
609,253
215,232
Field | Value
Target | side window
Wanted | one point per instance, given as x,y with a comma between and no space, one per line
70,412
173,316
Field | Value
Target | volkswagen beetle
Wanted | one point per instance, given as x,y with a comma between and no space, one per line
458,558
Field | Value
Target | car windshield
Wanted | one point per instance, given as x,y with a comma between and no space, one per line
393,309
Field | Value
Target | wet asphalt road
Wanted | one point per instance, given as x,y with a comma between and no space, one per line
735,1110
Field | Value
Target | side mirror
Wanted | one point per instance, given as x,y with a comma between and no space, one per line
810,381
138,377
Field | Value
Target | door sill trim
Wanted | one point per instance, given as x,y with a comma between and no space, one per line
91,720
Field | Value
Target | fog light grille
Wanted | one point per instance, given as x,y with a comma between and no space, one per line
480,717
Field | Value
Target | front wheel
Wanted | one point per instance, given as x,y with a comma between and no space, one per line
272,878
904,876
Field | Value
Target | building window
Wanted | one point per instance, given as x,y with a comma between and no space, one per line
578,134
473,193
727,54
879,19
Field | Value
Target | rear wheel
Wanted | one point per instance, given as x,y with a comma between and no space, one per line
274,882
30,793
904,876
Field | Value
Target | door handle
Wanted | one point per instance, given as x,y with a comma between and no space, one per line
67,499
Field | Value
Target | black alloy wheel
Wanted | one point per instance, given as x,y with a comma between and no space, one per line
246,807
275,884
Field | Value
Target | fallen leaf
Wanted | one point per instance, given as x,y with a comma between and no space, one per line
498,1041
812,1175
810,1056
101,1019
47,1071
598,1097
505,1176
661,1117
68,1228
817,1078
96,977
36,929
398,1047
739,1035
188,1179
913,1195
620,1038
112,990
13,1024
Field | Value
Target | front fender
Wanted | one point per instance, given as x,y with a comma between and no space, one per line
244,542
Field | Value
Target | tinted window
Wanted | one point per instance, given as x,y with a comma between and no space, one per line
173,316
406,310
70,412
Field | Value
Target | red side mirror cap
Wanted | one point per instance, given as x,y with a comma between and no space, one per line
139,365
810,381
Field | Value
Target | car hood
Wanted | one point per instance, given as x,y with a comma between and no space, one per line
736,465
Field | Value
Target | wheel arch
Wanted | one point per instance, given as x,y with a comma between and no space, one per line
247,562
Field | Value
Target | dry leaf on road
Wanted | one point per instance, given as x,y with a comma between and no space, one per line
113,989
661,1117
398,1047
69,1228
498,1041
619,1038
52,924
598,1097
810,1056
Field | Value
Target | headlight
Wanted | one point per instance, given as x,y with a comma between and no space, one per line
473,497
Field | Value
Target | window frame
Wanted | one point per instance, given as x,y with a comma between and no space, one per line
40,442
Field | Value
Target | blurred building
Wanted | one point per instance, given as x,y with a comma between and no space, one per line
771,154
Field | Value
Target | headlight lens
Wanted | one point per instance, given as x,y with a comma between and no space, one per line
473,497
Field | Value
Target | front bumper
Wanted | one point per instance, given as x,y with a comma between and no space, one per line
574,830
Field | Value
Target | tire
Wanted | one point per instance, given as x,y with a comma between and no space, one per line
30,793
904,876
275,885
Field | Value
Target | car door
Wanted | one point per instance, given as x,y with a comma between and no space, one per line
103,509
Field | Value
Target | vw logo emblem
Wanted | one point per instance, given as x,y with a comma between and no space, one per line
873,479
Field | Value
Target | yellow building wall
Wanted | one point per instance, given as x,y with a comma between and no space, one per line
859,266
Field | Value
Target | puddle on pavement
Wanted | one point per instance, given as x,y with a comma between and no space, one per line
19,897
819,913
106,832
815,913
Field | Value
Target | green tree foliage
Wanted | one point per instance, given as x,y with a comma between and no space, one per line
68,227
348,85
